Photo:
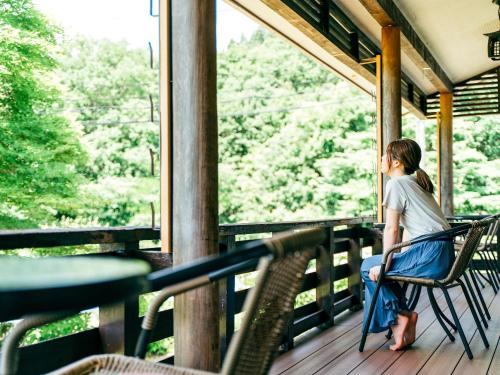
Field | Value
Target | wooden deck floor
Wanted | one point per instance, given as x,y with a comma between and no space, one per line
335,350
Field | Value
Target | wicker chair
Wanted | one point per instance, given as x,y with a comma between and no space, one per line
457,270
485,252
269,307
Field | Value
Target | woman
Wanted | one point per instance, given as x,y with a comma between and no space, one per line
409,202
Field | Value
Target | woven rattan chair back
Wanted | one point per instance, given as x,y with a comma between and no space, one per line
466,251
492,231
268,310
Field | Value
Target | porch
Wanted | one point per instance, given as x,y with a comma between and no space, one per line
335,350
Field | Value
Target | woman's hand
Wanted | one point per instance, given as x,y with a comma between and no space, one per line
374,272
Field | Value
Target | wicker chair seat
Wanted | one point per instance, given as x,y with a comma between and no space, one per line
113,364
411,280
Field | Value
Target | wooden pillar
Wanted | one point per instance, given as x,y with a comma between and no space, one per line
195,191
445,153
165,128
391,84
388,100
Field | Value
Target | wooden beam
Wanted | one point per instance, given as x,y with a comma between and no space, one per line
165,129
391,84
380,147
445,153
389,100
278,17
195,177
386,13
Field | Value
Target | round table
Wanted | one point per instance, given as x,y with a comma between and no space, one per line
51,284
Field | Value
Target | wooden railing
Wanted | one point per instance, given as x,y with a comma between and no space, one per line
119,324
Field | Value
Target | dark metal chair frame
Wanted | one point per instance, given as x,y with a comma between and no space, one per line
474,232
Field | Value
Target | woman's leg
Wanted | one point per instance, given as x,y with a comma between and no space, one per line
390,309
389,302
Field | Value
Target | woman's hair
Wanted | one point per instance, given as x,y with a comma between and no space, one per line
408,152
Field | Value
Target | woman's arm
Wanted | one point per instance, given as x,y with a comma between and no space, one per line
391,236
391,232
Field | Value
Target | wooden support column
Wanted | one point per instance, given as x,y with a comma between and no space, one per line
195,190
388,100
165,128
445,153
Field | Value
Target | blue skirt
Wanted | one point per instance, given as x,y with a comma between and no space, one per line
428,259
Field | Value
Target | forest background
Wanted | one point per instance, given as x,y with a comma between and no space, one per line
295,141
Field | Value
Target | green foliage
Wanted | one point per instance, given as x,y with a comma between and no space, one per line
288,132
108,86
39,152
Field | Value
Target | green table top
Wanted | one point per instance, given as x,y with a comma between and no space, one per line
20,273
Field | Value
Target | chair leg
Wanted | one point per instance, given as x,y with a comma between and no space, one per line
489,277
437,311
474,314
485,277
369,317
475,300
416,295
475,269
388,335
490,266
481,298
493,266
457,321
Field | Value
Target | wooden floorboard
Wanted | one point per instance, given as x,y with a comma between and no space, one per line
326,353
306,349
335,350
452,352
383,358
414,359
482,356
494,368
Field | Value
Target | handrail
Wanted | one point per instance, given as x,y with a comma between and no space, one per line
53,237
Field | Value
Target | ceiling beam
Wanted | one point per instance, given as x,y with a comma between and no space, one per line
386,13
281,16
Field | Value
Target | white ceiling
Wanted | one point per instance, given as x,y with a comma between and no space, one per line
451,29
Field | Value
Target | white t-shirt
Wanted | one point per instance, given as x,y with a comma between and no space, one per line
420,213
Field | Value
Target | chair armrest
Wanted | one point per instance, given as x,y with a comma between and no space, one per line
393,248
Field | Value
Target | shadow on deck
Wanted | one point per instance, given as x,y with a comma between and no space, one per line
335,350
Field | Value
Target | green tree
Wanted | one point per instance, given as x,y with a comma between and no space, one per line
293,138
39,151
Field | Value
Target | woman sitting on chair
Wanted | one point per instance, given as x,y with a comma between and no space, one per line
409,202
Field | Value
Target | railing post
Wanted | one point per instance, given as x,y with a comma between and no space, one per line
324,270
354,261
118,323
377,247
227,301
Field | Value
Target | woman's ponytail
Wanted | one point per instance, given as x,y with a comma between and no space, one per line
408,152
424,181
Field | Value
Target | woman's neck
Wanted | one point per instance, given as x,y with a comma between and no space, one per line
396,173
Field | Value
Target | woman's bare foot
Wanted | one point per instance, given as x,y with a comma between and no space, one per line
412,328
399,330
